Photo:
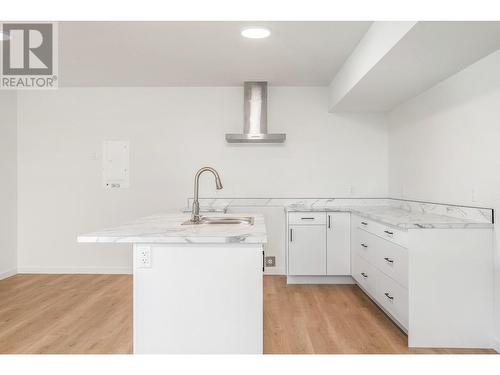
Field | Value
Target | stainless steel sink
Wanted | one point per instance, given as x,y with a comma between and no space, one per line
246,220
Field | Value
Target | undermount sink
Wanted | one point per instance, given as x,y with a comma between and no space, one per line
247,220
226,220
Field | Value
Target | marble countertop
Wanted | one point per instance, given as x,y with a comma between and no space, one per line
168,228
399,217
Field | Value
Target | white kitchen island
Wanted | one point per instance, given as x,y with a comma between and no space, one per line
197,288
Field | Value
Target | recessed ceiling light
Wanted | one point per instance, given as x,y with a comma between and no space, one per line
256,33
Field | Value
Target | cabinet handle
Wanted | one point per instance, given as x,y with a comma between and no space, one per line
263,261
329,222
364,223
365,246
291,234
388,232
389,260
306,218
389,296
364,275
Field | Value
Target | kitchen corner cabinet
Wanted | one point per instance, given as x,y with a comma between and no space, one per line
434,283
318,244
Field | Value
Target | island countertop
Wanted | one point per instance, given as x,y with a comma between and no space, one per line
168,228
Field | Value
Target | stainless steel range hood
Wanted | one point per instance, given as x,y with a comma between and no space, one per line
255,125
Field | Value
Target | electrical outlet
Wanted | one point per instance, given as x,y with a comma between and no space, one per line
143,257
271,261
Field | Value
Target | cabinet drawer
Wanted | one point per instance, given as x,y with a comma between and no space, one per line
307,218
394,235
360,222
365,274
393,298
392,259
385,231
364,245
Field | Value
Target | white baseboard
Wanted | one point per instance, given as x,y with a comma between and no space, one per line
77,270
496,344
7,273
319,280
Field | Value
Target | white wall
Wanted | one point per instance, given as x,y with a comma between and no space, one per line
444,145
8,183
173,132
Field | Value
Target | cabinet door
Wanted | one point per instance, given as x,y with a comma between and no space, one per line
307,250
338,254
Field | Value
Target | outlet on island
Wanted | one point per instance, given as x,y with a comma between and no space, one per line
143,257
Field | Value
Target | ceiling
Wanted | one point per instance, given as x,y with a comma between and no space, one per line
429,53
203,53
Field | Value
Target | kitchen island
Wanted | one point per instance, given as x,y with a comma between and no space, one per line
197,288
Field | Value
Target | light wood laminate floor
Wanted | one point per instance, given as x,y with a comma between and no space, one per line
93,314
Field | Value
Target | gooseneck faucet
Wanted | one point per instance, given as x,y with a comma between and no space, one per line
195,215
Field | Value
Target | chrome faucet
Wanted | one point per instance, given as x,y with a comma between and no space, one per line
195,215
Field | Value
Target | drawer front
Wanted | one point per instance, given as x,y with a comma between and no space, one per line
365,274
389,233
364,245
393,298
392,260
307,218
360,222
394,235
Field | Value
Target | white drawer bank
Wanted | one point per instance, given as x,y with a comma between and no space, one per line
436,284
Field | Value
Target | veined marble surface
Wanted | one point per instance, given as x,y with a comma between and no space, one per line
396,212
401,218
168,228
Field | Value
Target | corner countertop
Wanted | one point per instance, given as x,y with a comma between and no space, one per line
168,228
398,217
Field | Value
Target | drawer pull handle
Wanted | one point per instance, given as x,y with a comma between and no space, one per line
388,232
291,235
306,218
364,245
329,222
364,275
364,223
389,260
389,296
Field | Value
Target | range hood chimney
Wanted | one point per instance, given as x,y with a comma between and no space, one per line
255,125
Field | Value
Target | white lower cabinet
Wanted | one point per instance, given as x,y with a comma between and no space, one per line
338,243
307,250
319,244
365,274
380,267
436,284
393,297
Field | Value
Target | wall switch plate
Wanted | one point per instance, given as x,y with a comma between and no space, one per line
143,257
271,261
